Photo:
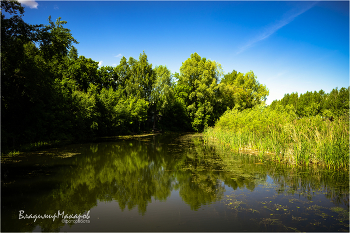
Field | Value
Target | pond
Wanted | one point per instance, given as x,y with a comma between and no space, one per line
169,182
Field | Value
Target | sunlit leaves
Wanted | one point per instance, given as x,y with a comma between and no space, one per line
293,140
330,105
55,40
162,91
198,80
242,90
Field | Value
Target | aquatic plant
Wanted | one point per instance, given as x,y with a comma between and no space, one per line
307,140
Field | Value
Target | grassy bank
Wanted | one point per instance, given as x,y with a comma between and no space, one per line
290,139
34,146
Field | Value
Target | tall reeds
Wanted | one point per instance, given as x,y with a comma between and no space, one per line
309,140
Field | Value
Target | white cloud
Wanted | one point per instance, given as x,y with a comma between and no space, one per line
31,3
56,7
100,63
289,17
119,55
114,64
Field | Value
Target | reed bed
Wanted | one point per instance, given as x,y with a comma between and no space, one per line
310,140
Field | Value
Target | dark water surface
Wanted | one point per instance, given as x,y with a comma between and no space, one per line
168,183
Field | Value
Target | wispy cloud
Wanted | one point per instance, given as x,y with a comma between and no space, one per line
119,55
31,3
278,75
100,63
56,7
289,17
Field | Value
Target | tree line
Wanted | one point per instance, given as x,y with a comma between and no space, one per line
49,92
328,105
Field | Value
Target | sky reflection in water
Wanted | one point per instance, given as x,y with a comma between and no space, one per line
169,183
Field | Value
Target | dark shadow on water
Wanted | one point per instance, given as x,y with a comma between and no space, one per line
169,182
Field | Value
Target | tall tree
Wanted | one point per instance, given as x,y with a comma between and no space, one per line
83,71
23,79
56,40
252,92
198,84
107,77
162,92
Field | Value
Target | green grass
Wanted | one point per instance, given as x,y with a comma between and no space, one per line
311,140
13,153
31,147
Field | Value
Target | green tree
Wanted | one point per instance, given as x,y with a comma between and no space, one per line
230,77
198,86
55,40
252,93
330,105
141,77
162,92
241,91
123,72
24,81
107,77
337,103
83,71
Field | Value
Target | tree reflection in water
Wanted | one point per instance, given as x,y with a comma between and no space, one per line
136,171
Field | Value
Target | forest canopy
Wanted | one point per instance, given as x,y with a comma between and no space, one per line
49,92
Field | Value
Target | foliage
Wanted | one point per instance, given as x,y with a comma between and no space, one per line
330,105
50,93
245,89
278,130
198,83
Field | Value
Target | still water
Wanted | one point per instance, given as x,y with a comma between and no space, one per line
172,182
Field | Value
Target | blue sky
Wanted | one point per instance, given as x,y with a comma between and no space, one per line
295,46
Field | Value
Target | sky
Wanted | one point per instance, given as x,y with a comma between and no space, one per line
291,46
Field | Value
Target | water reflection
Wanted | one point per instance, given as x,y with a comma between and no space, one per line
138,171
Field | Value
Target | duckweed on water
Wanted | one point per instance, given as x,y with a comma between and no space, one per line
226,186
285,215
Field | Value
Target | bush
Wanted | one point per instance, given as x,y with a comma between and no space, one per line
291,139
